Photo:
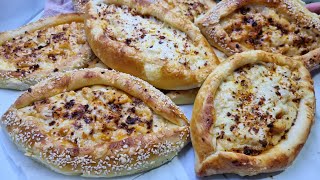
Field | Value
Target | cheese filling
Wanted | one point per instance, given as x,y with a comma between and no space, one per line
154,38
93,115
255,108
44,48
263,28
190,8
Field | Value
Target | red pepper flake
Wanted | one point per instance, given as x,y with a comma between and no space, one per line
52,57
69,104
132,120
52,123
128,41
87,120
232,127
255,130
236,117
264,143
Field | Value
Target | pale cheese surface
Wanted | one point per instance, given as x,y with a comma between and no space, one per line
154,38
255,107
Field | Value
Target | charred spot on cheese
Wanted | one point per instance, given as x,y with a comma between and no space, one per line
151,36
255,108
265,28
43,48
93,115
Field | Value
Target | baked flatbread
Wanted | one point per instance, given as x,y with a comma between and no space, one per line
281,26
252,115
96,123
43,48
189,8
149,41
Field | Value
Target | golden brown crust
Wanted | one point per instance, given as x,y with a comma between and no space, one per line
209,160
284,27
160,73
26,70
112,158
311,60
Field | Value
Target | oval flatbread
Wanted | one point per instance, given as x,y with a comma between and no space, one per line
189,8
96,123
252,115
42,48
149,41
281,26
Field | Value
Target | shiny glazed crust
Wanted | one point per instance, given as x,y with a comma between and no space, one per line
210,161
17,79
163,74
113,158
211,25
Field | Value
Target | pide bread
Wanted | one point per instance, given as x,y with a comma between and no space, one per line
281,26
40,49
189,8
96,123
149,41
252,115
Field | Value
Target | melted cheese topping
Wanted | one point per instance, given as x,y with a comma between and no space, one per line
44,48
93,115
190,8
79,5
255,108
263,28
154,38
